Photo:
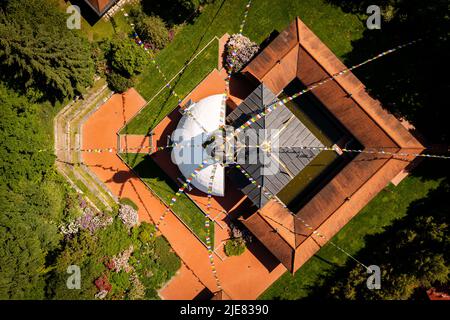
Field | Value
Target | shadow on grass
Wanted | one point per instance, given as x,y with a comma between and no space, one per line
148,169
410,83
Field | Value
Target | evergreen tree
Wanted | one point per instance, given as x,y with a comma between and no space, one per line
39,54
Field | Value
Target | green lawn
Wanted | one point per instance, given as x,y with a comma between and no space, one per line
165,188
336,29
104,29
391,204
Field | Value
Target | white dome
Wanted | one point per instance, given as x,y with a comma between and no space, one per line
200,120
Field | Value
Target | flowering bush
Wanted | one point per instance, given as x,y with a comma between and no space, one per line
101,294
236,232
128,215
119,262
239,51
89,220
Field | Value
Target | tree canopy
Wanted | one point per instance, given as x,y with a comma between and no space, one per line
31,198
39,54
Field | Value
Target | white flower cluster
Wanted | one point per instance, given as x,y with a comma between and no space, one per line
239,51
128,215
120,261
71,229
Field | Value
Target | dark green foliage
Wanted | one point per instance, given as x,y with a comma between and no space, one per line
82,251
39,54
126,60
126,57
120,284
235,247
99,51
172,11
31,198
118,82
152,259
153,30
408,83
155,263
90,253
22,138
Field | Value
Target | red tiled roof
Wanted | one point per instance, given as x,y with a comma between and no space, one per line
100,5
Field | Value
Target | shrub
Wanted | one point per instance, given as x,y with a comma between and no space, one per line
126,57
128,215
235,247
137,291
98,51
153,30
120,284
146,232
119,83
136,13
239,51
102,283
89,220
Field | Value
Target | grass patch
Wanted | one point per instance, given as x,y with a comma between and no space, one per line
155,264
389,205
165,188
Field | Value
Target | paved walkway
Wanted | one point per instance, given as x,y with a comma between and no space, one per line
243,277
